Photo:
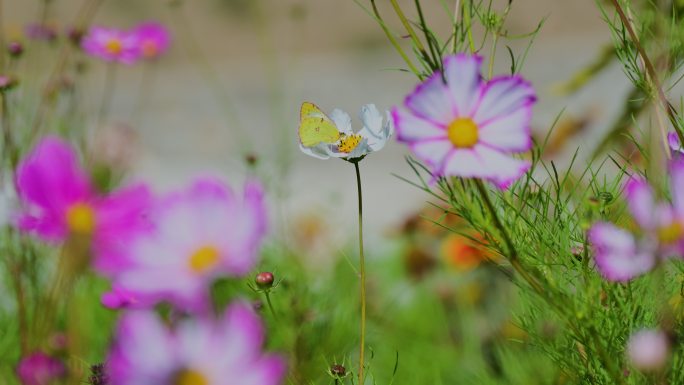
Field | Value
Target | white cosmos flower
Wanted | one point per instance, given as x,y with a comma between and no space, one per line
354,145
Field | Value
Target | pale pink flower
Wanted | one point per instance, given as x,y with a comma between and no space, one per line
199,351
461,125
111,45
202,233
648,349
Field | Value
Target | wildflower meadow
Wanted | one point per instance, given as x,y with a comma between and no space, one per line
298,192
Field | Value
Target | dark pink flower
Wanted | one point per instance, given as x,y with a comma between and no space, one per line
153,39
111,45
60,201
204,351
39,369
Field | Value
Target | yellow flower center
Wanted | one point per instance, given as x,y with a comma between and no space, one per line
204,259
149,49
114,46
348,143
80,218
462,133
190,377
671,233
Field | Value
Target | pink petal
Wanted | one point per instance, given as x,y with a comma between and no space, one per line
433,151
616,255
510,133
677,186
641,203
463,77
487,163
431,100
501,97
412,128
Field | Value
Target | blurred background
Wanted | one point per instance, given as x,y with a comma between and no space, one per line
238,71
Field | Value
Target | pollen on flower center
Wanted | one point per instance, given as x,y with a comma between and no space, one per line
462,133
80,218
671,232
190,377
348,143
114,46
204,259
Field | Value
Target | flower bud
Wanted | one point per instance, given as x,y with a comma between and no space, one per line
648,349
264,280
15,49
338,370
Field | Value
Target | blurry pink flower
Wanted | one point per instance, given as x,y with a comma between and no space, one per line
39,31
648,349
675,145
201,233
59,201
39,369
462,125
207,352
120,298
153,39
620,256
111,45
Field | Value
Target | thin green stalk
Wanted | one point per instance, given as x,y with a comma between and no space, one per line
512,252
362,269
467,20
394,41
270,305
407,25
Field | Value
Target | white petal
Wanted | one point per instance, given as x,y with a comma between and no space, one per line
463,78
502,96
371,118
412,128
500,168
319,151
432,152
342,120
431,100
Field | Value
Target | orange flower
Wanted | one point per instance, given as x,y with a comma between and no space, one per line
462,253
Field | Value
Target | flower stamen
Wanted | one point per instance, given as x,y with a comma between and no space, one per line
204,259
671,233
114,46
190,377
348,143
463,133
80,218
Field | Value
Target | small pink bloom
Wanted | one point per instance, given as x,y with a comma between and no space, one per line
153,39
676,148
60,201
620,255
648,349
202,233
39,369
461,125
204,351
111,45
120,298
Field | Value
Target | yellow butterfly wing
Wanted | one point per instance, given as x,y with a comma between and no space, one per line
315,127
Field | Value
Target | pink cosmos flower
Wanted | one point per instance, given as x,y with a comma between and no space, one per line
202,233
59,201
461,125
120,298
111,45
648,349
39,369
675,146
207,352
619,254
153,39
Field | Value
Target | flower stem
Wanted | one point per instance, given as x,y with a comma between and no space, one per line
107,94
362,268
270,305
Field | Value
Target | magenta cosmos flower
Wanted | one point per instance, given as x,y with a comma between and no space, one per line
153,39
621,255
195,352
202,233
40,369
461,125
60,201
111,45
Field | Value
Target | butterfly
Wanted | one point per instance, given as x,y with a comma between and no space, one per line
316,127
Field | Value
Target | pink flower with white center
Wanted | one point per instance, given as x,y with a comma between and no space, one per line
619,254
195,352
202,233
40,369
111,45
59,201
461,125
648,349
153,39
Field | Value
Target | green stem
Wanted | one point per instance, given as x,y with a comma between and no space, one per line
107,94
512,252
412,34
362,269
270,305
468,25
394,41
